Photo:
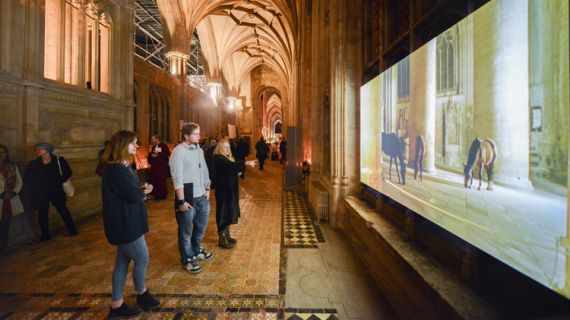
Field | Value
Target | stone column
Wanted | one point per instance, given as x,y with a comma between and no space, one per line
549,90
423,100
177,62
34,40
501,94
345,175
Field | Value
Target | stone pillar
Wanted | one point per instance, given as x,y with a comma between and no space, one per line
549,91
80,72
345,175
501,94
319,83
121,62
177,62
423,100
34,40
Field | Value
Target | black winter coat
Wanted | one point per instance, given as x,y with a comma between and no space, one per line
124,213
227,189
44,180
262,150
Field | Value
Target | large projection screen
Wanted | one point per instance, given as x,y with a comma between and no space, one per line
487,98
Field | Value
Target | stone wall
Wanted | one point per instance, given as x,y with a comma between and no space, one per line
75,119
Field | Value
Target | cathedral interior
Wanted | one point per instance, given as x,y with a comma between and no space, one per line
323,233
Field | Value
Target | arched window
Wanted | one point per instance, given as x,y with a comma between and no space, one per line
278,128
65,23
447,71
404,79
159,109
97,49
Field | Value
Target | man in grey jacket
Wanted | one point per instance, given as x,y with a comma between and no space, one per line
187,165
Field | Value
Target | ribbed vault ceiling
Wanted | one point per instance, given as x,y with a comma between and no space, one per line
235,35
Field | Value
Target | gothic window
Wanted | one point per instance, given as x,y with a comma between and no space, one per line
404,78
65,22
159,109
447,71
97,49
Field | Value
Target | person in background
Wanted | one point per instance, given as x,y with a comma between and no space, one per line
188,165
242,152
125,221
100,154
158,159
283,151
209,155
204,144
10,203
243,149
44,180
274,151
233,146
227,191
261,152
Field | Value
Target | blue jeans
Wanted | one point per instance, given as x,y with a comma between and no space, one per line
191,228
138,251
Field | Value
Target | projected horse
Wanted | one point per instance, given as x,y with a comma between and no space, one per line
420,155
393,147
482,154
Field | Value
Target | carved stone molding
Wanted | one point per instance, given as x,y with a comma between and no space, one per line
84,101
9,89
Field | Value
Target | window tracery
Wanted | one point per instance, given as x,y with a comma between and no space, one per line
77,47
447,70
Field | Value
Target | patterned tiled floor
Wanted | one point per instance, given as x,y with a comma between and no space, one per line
69,278
299,231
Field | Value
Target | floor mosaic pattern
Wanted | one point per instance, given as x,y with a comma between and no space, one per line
70,278
300,229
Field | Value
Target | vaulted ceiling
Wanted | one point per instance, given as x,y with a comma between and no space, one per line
235,35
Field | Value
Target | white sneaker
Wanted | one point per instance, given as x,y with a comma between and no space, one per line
192,266
203,255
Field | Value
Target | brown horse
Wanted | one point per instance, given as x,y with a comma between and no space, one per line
420,155
482,154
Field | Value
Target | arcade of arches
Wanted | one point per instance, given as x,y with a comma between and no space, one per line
314,244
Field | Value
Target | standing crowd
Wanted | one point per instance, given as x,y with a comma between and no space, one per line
125,216
196,166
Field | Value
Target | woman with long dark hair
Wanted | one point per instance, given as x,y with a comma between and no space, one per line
227,191
10,203
125,222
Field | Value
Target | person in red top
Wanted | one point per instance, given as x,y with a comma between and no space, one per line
158,159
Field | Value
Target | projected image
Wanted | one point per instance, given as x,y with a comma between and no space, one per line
471,131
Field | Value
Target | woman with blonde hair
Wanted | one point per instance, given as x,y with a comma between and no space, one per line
125,222
227,191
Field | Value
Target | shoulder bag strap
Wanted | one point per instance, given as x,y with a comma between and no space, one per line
59,166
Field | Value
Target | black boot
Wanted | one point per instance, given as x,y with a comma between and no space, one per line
147,301
124,312
224,243
229,236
